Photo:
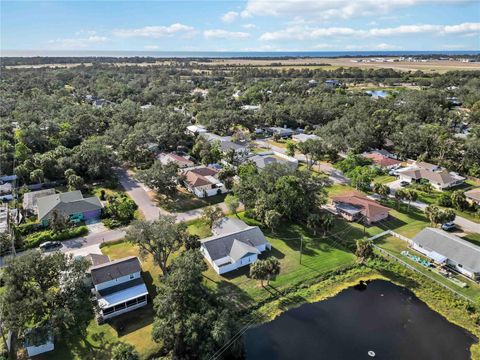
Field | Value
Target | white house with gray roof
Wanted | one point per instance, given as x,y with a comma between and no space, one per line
266,158
448,249
118,287
233,245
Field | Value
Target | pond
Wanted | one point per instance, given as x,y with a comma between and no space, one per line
377,93
380,317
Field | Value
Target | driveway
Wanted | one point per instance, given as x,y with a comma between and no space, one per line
137,191
336,176
394,185
461,222
92,239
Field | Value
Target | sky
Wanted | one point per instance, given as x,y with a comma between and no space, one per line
251,25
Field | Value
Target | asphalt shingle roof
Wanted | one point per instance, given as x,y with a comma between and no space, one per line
220,246
67,204
451,246
115,269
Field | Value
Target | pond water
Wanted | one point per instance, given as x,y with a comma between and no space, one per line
380,317
377,93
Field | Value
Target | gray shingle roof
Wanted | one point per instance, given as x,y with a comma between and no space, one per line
451,246
261,161
67,204
228,225
115,269
220,246
30,198
239,249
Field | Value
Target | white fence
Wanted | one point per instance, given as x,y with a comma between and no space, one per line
392,233
408,266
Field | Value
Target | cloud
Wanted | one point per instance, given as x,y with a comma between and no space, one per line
453,46
328,9
321,46
230,16
324,9
249,26
151,47
462,28
80,42
154,31
224,34
308,32
384,46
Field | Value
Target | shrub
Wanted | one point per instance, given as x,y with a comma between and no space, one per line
35,239
445,200
27,228
112,223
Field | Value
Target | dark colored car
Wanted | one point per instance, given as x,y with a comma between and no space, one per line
404,183
48,245
450,226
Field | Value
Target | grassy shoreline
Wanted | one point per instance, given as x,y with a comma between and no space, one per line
455,310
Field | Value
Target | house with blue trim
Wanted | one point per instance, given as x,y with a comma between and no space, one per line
71,205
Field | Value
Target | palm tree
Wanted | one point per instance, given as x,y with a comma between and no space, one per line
411,195
400,195
327,223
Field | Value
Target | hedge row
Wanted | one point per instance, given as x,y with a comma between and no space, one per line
35,239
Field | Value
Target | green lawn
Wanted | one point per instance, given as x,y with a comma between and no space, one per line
384,179
473,238
338,189
395,246
280,143
185,201
433,197
198,227
320,255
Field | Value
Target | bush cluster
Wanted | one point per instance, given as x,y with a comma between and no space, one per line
35,239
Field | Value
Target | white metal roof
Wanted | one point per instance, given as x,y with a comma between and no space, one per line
122,296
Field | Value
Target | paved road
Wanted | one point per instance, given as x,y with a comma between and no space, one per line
461,222
92,239
335,175
139,194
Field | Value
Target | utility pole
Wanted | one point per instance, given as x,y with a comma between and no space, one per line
301,247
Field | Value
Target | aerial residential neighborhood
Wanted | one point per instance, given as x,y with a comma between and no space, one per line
239,180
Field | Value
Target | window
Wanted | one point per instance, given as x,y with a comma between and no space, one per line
107,311
120,307
131,302
460,265
132,276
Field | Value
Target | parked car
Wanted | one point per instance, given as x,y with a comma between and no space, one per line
47,245
450,226
404,183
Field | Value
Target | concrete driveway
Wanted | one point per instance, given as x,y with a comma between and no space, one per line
394,185
138,193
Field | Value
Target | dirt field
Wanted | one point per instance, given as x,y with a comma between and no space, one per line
428,66
305,63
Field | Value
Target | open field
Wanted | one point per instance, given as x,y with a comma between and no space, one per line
439,66
428,66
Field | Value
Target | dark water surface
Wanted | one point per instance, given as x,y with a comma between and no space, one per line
383,318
